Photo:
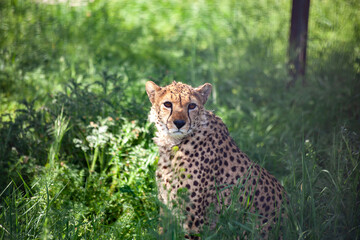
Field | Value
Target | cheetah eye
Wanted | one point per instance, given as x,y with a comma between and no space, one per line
168,104
192,106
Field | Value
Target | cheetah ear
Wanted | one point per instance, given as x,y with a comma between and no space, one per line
204,91
151,89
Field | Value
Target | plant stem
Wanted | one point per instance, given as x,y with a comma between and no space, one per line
96,153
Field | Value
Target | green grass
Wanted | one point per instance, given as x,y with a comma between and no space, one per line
76,156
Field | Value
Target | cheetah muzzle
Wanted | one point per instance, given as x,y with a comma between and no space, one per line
197,153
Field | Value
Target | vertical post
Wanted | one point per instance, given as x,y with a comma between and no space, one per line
298,40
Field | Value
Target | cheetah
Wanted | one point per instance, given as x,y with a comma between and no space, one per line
196,153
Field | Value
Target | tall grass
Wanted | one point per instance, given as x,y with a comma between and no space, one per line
58,131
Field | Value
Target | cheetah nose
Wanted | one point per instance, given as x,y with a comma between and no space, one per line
179,123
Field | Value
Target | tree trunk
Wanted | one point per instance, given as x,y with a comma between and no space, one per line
298,40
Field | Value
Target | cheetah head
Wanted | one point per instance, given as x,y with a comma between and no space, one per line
177,108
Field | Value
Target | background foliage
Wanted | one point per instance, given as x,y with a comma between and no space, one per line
76,155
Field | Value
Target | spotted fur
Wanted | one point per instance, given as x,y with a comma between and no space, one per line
197,153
